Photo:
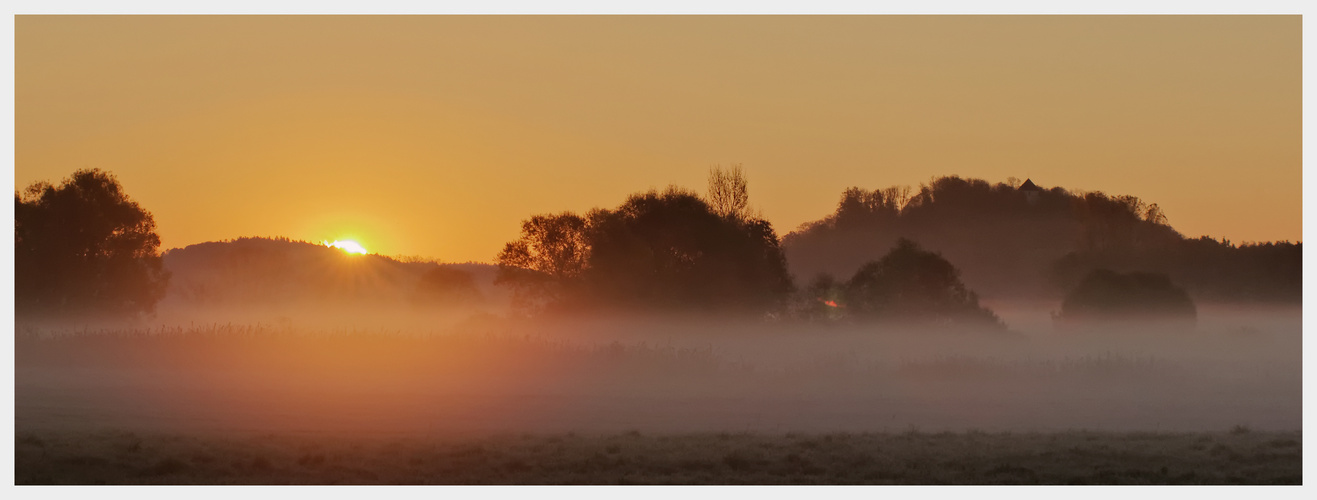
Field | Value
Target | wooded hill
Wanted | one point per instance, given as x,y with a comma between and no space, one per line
1011,242
269,271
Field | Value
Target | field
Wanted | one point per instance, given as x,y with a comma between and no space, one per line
495,401
1239,456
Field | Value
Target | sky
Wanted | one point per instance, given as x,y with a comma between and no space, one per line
435,136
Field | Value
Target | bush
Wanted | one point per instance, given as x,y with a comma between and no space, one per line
911,284
1105,295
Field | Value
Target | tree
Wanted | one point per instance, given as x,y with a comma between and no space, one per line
728,195
671,250
657,251
1106,295
864,209
911,284
820,301
85,248
546,260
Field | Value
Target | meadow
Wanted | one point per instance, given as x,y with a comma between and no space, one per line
490,400
1237,456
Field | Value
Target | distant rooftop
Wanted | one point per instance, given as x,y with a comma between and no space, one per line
1029,186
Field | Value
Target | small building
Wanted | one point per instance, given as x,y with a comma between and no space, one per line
1031,191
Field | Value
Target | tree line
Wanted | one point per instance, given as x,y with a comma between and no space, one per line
1009,245
677,251
884,255
254,271
658,250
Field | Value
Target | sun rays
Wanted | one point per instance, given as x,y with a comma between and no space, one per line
348,246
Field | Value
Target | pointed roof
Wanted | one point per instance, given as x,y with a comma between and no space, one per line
1029,186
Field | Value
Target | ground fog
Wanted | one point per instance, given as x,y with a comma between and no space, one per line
483,374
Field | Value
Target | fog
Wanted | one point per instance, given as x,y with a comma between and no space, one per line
480,371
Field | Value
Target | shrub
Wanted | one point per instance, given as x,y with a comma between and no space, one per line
1105,295
911,284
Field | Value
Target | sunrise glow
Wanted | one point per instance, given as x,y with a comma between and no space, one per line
681,249
348,246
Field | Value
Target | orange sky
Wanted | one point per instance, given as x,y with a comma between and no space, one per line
436,136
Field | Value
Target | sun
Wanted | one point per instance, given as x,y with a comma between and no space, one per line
348,246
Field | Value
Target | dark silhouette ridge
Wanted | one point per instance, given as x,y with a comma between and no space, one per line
992,233
1209,269
85,249
1029,242
279,271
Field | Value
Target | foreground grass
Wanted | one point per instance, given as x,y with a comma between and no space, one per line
1238,456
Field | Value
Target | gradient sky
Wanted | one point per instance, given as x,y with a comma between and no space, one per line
436,136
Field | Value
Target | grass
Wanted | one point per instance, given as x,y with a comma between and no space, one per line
253,404
913,457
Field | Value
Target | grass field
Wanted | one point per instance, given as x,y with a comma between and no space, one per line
1237,456
503,403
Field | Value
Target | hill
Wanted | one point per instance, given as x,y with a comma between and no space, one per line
279,272
1014,240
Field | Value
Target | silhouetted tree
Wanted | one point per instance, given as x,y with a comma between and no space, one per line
728,194
1122,224
821,301
870,209
546,260
910,284
670,250
1106,295
85,248
1211,269
657,251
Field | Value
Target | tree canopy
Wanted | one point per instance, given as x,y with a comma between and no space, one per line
1009,243
85,248
546,260
671,250
668,250
728,193
912,285
1105,295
